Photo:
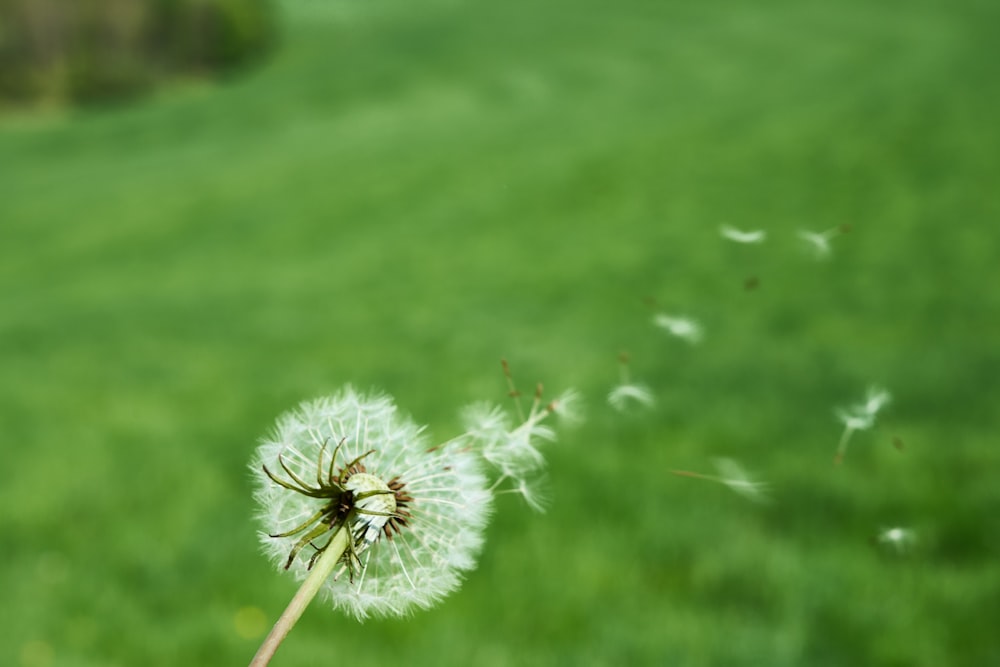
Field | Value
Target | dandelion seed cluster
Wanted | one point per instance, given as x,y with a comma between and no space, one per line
513,452
418,525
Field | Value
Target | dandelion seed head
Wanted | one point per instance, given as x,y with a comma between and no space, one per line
375,510
418,512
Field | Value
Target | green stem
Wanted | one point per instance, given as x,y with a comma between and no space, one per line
842,445
321,570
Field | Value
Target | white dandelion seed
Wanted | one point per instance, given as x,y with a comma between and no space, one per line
732,475
860,417
624,395
819,242
627,392
897,538
415,514
568,408
534,492
739,236
684,328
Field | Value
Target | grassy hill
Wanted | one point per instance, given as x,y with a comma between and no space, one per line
409,192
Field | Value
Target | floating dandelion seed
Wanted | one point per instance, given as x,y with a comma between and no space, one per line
627,392
534,492
732,475
739,236
860,417
624,395
819,242
855,421
898,539
684,328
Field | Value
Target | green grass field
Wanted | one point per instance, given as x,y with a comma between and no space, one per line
409,192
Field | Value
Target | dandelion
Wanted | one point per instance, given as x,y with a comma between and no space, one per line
819,242
684,328
860,417
356,503
732,475
739,236
627,392
898,539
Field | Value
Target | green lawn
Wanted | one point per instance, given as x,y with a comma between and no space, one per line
409,192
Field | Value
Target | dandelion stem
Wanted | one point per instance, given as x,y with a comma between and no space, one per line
842,445
698,475
500,480
321,570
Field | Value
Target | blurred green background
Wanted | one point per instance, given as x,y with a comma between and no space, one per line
407,192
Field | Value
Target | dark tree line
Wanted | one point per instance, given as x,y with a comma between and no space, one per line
78,51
